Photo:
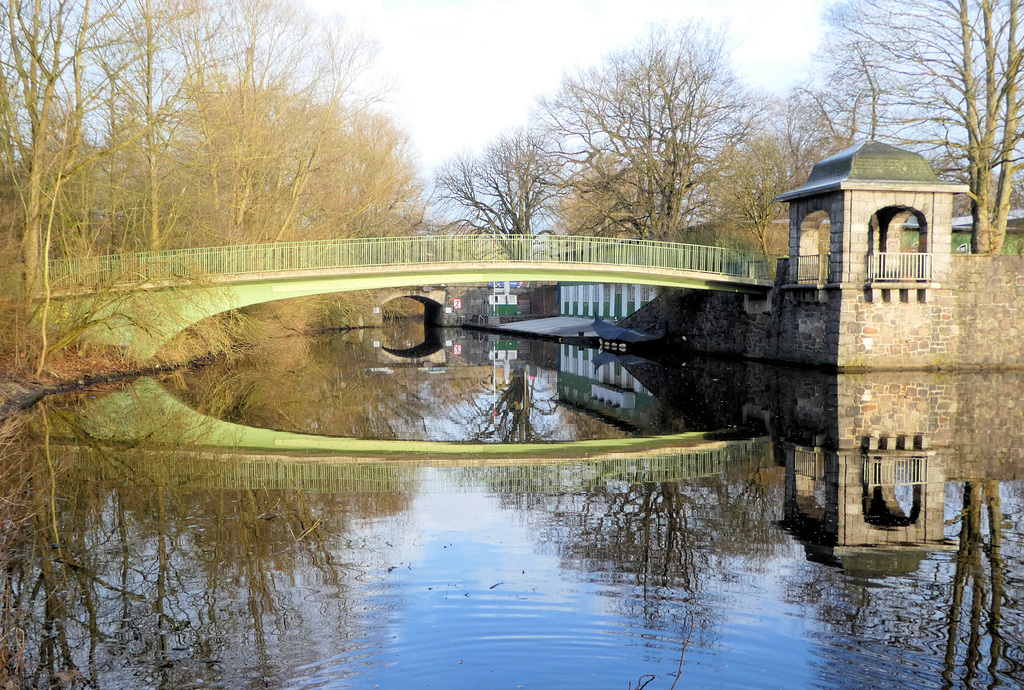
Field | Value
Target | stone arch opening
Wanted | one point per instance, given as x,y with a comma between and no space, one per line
433,311
815,233
898,229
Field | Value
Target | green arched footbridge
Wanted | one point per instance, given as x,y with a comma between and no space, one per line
181,287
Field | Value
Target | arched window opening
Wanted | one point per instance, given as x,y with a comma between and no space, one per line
883,509
898,229
815,234
899,245
811,264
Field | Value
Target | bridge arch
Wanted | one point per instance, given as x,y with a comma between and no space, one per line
433,304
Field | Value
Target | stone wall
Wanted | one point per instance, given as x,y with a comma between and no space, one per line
989,309
971,421
902,332
975,319
792,329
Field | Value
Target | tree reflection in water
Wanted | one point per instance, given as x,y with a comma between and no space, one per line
668,543
977,588
124,569
512,411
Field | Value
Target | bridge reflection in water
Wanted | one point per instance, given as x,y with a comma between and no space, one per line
857,483
337,473
173,445
147,414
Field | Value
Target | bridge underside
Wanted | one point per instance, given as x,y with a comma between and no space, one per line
162,311
293,284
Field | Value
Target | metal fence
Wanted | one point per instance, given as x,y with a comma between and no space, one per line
198,469
407,251
809,270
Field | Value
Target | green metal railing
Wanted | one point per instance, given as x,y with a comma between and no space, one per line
246,260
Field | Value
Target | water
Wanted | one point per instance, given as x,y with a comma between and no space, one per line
779,529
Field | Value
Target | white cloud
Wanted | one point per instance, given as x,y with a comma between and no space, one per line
466,70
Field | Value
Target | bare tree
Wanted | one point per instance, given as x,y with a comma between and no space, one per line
143,124
645,130
509,189
756,172
49,55
810,126
366,184
271,86
948,76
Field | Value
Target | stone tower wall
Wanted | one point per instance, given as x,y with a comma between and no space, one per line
975,320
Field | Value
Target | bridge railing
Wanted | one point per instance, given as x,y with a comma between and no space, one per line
399,251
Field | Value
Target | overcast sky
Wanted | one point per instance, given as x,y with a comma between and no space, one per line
466,70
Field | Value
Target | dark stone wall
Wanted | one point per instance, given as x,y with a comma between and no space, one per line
975,320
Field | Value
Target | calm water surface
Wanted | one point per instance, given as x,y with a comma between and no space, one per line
779,529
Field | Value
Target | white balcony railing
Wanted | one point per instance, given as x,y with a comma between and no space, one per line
900,267
809,463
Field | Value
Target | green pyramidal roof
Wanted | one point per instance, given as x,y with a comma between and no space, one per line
866,162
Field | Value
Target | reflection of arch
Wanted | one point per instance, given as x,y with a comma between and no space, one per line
432,310
432,342
881,508
898,229
815,233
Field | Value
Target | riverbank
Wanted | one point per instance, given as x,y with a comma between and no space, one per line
20,389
